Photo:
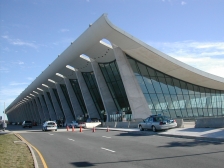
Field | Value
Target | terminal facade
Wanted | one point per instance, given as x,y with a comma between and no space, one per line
110,75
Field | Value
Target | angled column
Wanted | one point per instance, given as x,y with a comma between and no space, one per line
44,107
90,106
27,111
67,112
37,119
107,99
75,104
39,110
58,111
31,110
49,107
137,101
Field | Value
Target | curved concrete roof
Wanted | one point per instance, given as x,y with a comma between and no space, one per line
88,43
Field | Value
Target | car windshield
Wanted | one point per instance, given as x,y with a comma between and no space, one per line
27,121
51,123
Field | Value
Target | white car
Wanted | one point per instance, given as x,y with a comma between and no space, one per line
77,124
49,125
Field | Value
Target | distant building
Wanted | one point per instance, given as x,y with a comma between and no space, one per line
108,74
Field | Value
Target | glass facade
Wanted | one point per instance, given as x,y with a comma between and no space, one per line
64,90
59,102
94,91
113,79
78,93
176,98
49,97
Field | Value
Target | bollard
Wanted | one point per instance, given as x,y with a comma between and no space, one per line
107,129
94,130
80,129
73,129
67,128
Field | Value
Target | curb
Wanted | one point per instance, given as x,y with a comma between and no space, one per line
32,152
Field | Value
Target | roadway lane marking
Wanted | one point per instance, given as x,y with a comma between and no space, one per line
107,149
71,139
51,134
106,137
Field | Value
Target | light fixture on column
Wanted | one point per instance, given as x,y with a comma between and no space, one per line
32,95
60,75
45,85
85,57
50,80
70,67
40,89
35,92
28,96
106,43
26,99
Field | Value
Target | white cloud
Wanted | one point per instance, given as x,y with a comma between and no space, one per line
16,83
183,3
206,56
64,30
19,42
30,78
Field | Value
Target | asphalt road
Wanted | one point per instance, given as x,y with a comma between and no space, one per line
114,149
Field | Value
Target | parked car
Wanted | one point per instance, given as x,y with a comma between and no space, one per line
27,124
89,120
157,122
49,125
77,124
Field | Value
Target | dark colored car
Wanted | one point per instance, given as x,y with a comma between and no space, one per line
27,124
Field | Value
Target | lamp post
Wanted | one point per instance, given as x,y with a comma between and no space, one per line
4,124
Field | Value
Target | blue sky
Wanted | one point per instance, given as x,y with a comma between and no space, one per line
34,32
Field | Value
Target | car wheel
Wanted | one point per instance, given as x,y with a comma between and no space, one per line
153,128
56,130
140,128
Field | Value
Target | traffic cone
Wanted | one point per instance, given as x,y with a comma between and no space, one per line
73,129
107,129
67,128
80,129
94,129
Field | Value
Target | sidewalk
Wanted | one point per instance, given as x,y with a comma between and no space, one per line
209,134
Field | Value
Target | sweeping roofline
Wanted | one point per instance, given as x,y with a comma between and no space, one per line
102,28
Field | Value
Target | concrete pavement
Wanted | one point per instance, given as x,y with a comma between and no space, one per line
211,134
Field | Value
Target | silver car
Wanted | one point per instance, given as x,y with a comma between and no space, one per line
157,122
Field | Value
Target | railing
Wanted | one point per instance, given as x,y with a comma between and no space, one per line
120,117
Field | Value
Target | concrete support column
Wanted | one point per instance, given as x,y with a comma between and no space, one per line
90,106
67,112
58,111
137,101
75,104
37,119
24,111
49,107
40,110
107,99
44,107
31,110
28,111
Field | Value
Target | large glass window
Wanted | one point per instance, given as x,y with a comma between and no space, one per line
113,79
64,90
78,93
94,92
176,98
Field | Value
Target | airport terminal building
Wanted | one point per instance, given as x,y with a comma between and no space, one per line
108,74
